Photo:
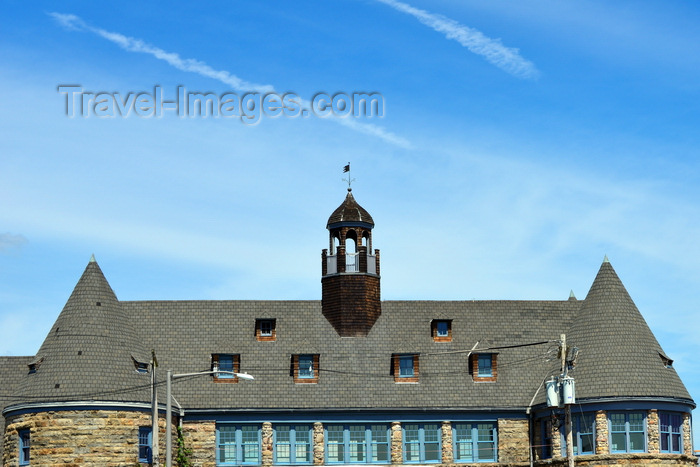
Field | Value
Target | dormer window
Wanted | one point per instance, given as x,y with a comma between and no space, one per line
405,368
265,329
667,362
34,365
441,330
305,368
141,366
483,367
229,363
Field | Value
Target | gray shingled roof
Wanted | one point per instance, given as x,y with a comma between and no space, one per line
355,372
619,355
12,370
349,211
89,352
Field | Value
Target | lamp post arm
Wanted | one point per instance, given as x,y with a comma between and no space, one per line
168,405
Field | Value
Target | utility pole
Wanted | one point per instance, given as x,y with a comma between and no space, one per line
567,407
154,408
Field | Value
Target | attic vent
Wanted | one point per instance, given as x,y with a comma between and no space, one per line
80,352
98,303
668,363
58,385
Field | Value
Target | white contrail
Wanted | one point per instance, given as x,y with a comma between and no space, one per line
505,58
75,23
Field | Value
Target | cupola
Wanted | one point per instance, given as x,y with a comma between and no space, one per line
350,271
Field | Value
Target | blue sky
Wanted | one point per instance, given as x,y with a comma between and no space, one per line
520,143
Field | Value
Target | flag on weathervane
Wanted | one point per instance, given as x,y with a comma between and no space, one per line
346,168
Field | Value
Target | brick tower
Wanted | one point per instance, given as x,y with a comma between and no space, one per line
350,272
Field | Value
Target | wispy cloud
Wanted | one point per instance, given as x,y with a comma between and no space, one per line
505,58
10,241
130,44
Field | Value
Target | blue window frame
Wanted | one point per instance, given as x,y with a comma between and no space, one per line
145,440
627,432
421,443
237,444
293,444
306,366
583,434
406,369
474,442
24,447
670,432
357,444
546,440
485,365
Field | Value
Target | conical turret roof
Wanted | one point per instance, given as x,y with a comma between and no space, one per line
350,212
619,355
91,350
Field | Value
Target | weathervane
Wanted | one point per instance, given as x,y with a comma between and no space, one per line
349,179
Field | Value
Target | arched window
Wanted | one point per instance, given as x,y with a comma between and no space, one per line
351,261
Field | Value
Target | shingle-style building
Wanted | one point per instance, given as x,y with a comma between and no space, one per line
349,379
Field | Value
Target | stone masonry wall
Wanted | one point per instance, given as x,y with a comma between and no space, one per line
601,432
687,437
79,437
201,438
620,460
653,431
513,440
447,449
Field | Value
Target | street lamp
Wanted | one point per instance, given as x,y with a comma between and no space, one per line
169,409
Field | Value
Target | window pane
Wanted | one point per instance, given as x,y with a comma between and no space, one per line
586,444
442,328
380,443
676,442
486,452
411,446
250,448
282,447
464,443
357,443
485,365
406,366
617,422
486,441
410,433
636,441
306,366
225,364
619,442
336,448
636,422
302,443
227,443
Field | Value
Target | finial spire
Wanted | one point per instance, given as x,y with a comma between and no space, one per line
92,258
606,260
349,179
